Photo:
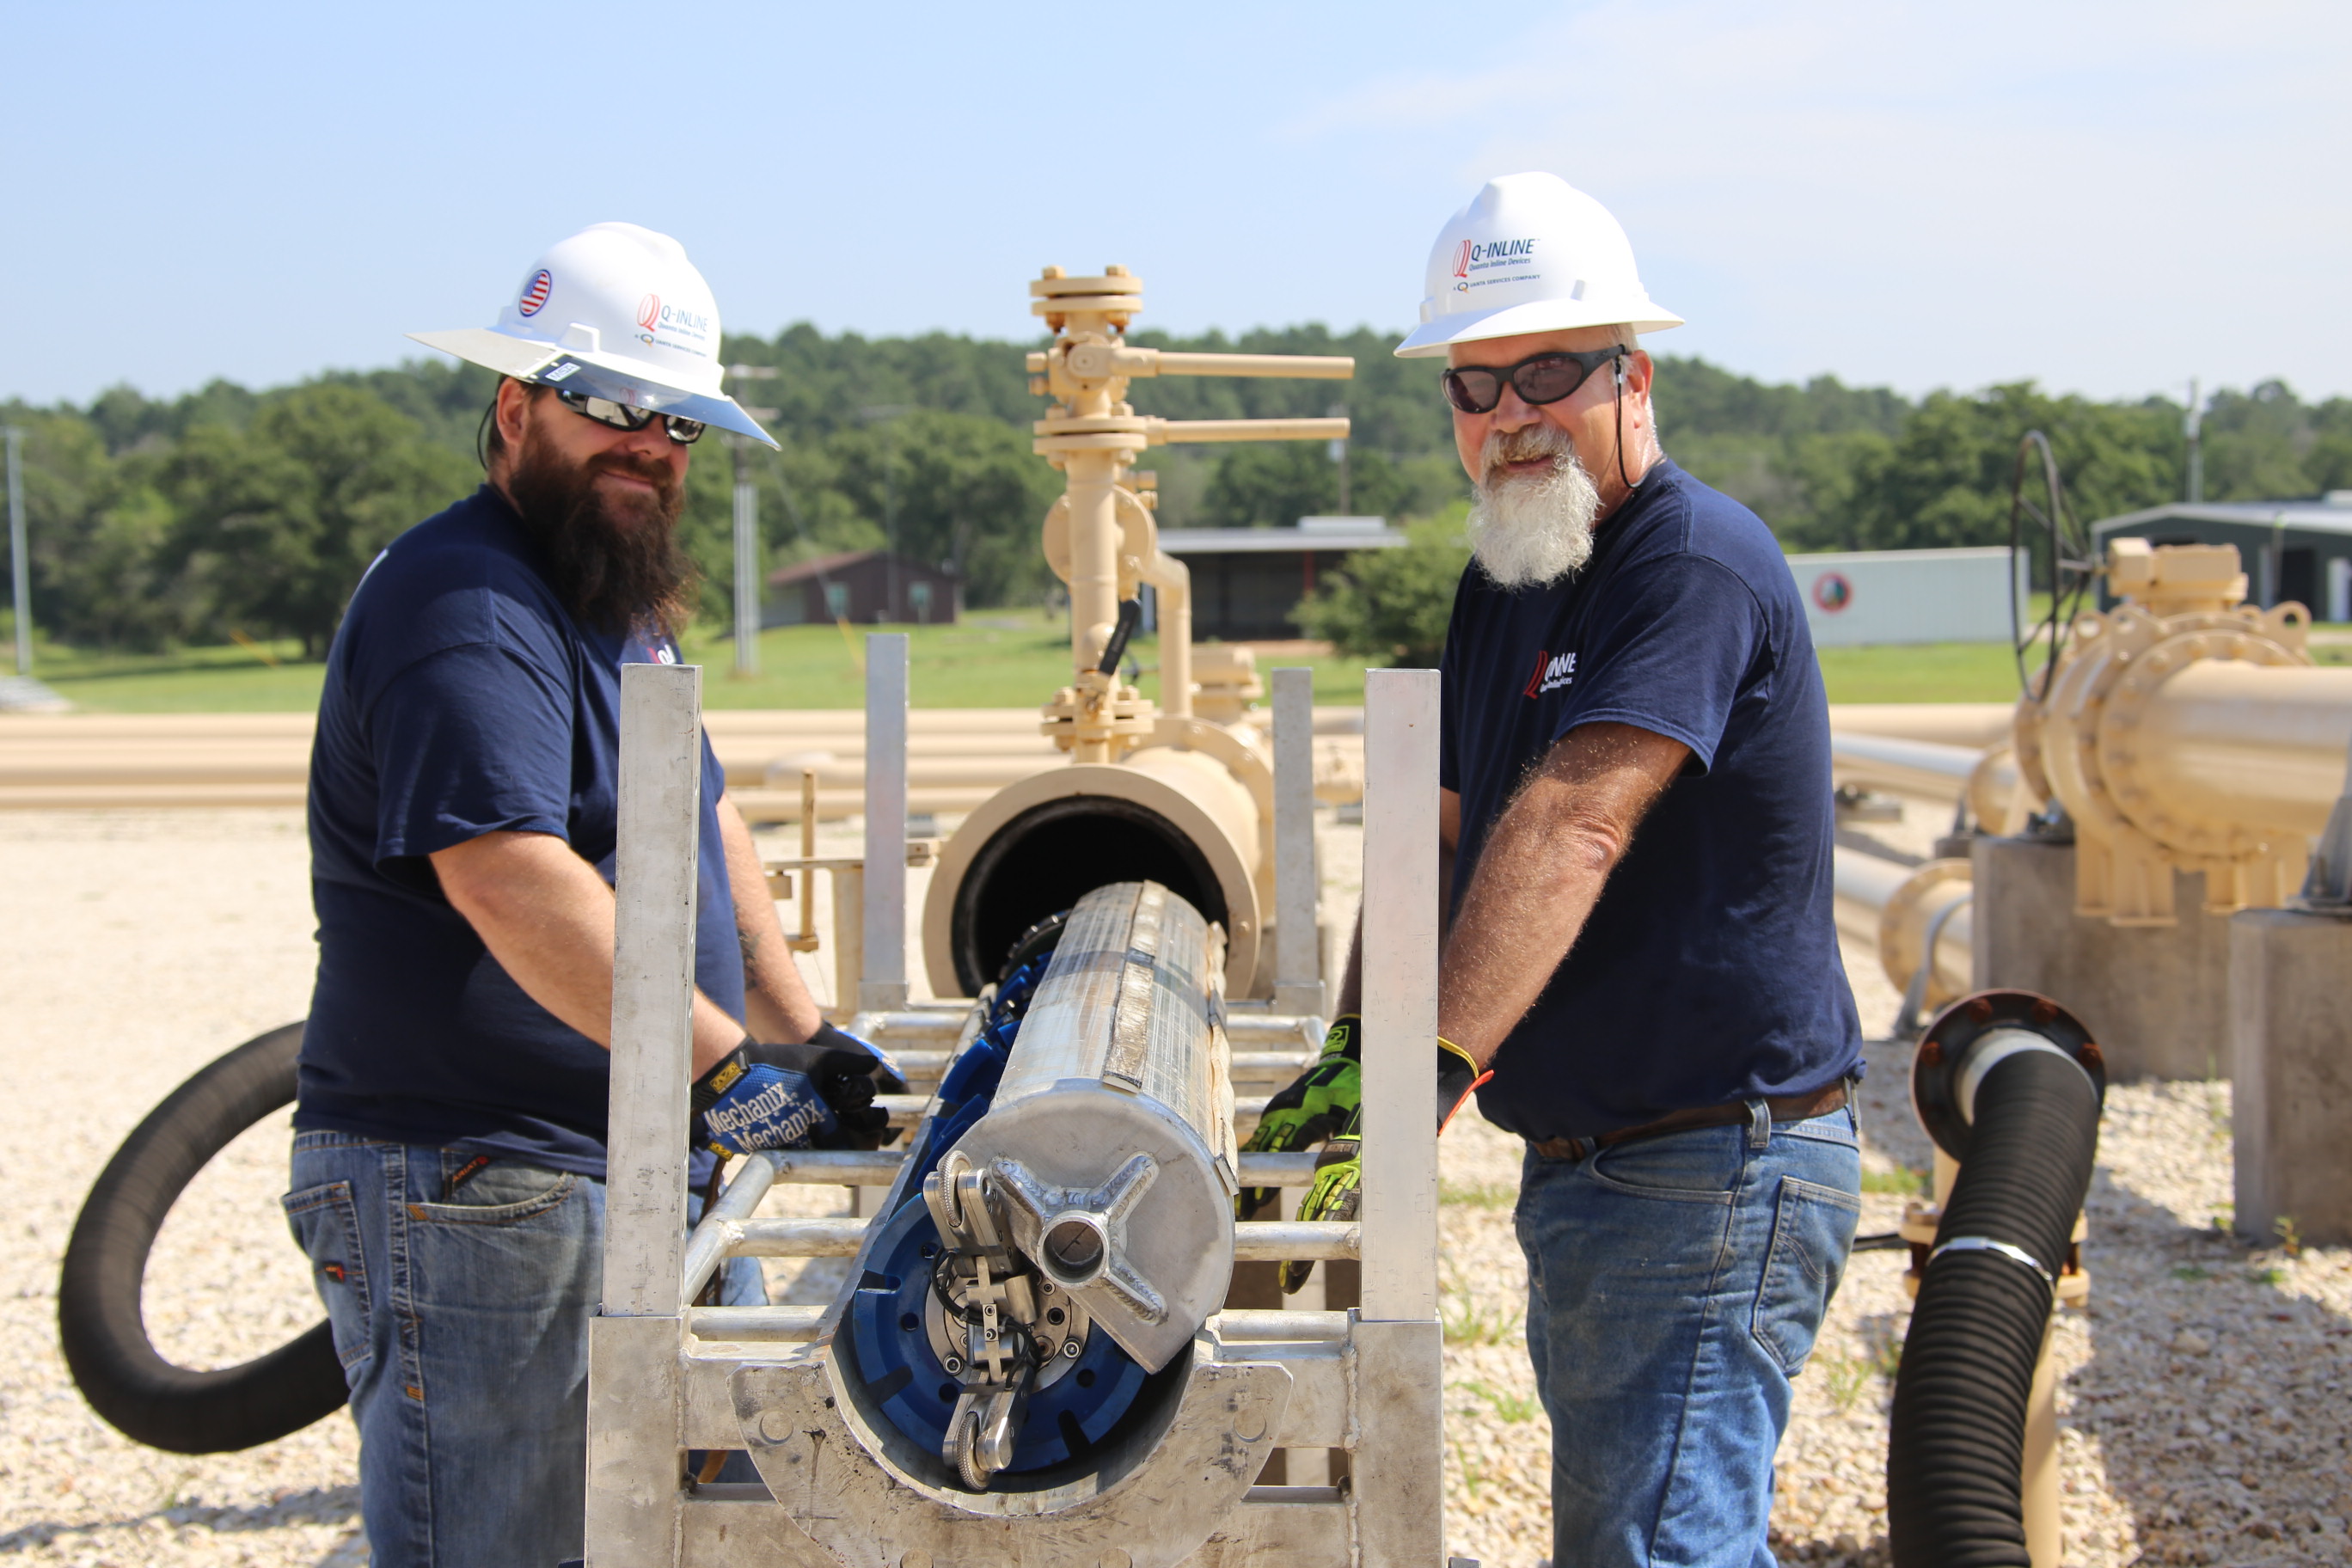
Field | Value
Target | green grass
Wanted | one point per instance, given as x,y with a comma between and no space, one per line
1929,672
995,659
230,679
1003,660
1006,658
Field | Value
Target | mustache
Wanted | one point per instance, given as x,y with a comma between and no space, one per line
1528,444
652,470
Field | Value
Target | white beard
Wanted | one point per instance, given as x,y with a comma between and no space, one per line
1533,530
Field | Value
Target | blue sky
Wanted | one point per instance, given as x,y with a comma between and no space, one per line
2109,198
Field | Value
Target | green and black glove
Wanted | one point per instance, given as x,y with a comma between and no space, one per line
1325,1105
1338,1184
1315,1106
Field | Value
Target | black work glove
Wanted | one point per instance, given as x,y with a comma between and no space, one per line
843,1073
849,1071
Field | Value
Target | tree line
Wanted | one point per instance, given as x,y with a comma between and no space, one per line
230,511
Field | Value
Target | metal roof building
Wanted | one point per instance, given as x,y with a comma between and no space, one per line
1246,580
2299,550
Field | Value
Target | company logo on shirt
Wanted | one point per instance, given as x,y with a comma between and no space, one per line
535,293
1554,672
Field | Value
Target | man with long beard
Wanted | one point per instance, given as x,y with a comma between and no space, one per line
449,1153
1661,1014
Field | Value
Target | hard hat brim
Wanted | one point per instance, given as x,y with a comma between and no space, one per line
524,359
1431,339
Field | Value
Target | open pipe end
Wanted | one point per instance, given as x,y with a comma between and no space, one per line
1951,1056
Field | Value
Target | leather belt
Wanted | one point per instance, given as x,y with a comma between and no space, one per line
1784,1108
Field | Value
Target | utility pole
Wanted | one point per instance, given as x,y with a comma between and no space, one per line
2191,425
1340,455
20,563
747,532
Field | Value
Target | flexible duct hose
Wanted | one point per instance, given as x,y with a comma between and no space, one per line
99,1324
1954,1460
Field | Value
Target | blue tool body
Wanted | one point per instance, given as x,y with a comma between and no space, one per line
894,1351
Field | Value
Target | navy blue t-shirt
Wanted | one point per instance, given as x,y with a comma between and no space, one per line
463,699
1708,972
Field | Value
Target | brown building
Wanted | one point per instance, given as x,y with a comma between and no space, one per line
868,587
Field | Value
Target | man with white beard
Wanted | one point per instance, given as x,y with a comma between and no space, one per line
1661,1014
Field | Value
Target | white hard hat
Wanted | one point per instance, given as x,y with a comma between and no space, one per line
1531,253
616,311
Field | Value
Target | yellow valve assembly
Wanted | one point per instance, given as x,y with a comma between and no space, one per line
1159,793
2186,730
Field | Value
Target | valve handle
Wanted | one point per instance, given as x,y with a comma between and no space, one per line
1130,615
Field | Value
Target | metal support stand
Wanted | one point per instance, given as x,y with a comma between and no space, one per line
634,1381
1297,883
666,1378
883,981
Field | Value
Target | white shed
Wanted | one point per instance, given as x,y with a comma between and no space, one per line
1905,595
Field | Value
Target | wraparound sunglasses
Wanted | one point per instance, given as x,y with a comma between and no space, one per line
1538,378
621,416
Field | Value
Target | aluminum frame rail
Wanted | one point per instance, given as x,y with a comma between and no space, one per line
666,1377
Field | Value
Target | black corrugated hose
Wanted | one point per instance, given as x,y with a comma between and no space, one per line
103,1331
1953,1490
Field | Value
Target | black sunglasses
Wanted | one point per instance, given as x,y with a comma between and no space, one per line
1538,378
621,416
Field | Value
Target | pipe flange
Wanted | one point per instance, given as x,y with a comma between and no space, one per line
2069,766
2025,727
1941,1083
2075,717
2238,634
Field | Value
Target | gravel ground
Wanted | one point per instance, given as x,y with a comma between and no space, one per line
2203,1416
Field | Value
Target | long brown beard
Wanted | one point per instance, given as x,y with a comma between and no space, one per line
614,561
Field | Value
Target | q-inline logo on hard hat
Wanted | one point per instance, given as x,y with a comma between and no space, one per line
535,292
671,326
1462,258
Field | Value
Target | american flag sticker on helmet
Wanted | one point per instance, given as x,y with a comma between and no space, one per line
535,292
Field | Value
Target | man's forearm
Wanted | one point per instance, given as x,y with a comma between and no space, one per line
776,1002
1535,887
546,917
1540,872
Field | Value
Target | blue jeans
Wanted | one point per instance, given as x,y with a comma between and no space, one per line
1675,1286
461,1318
